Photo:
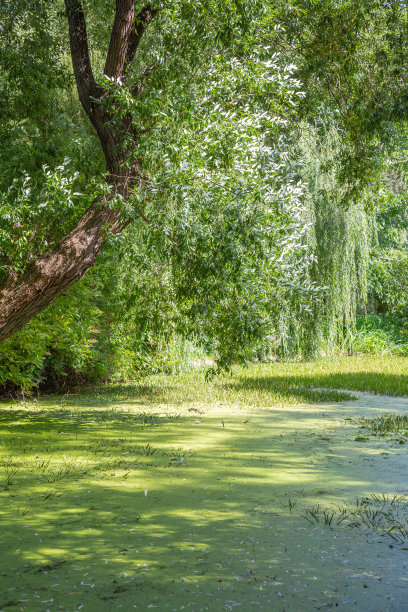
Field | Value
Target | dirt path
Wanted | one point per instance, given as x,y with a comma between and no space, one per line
220,529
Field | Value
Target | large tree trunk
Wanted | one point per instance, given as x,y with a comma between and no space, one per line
56,270
53,273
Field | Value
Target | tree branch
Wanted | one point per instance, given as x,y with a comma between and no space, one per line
120,38
141,21
155,226
80,53
140,85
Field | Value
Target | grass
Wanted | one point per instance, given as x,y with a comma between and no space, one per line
391,426
191,388
166,493
384,514
386,423
277,383
386,375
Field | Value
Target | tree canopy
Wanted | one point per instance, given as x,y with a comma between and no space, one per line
228,150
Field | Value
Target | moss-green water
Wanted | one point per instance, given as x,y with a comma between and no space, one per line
177,495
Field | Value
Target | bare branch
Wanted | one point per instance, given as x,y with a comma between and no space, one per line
80,53
120,38
141,21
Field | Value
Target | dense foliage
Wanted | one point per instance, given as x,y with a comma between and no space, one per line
271,211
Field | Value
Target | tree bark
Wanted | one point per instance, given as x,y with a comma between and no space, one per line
56,270
118,45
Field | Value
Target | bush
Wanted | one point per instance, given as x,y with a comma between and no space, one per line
381,335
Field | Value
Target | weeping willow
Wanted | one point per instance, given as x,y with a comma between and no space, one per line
339,236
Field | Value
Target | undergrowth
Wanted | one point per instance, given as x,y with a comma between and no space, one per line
381,335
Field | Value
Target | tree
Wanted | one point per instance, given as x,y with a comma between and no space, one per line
57,269
191,120
352,59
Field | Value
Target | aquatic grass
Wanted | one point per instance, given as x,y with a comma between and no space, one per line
8,476
391,426
386,423
260,384
379,512
318,514
148,419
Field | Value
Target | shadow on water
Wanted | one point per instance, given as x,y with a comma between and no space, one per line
107,509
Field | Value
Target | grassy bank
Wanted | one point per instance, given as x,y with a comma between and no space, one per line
387,375
274,383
